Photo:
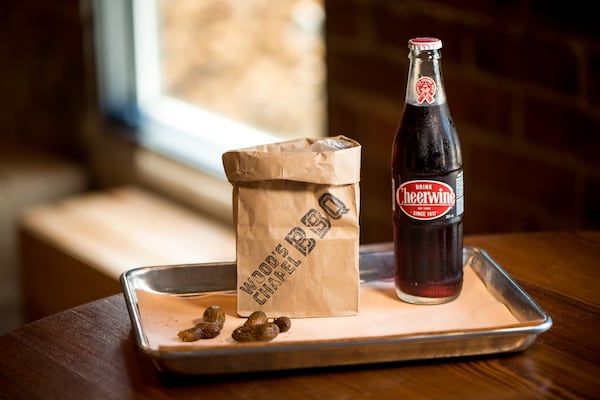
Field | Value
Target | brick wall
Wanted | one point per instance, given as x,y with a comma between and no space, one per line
43,76
523,84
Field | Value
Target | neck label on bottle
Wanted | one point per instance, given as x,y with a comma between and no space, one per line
426,89
425,199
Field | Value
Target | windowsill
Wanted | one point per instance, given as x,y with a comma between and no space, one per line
206,193
116,161
74,250
148,210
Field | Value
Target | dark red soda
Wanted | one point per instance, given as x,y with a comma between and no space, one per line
428,253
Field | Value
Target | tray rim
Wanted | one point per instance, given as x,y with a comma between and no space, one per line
167,359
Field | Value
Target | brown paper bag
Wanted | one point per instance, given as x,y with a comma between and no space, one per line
296,206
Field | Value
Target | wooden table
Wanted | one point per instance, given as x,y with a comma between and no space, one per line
88,352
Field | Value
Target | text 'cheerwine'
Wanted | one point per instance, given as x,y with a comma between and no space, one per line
425,200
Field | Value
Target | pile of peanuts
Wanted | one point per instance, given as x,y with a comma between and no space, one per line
257,328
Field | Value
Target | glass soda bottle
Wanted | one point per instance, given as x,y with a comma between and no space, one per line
427,185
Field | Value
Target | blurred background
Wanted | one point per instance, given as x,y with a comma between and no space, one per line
522,81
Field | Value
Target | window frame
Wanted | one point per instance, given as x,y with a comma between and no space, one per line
129,87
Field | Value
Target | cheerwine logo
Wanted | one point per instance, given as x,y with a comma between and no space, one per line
426,89
425,200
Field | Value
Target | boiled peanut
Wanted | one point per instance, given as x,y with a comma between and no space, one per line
266,332
243,334
284,323
212,322
191,334
256,333
256,318
214,314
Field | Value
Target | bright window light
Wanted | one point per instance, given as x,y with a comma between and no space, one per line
196,78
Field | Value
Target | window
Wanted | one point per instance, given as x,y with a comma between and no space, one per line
198,77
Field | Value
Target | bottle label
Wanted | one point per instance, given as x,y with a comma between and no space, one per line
425,89
426,200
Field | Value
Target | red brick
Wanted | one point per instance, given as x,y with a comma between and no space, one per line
376,206
499,10
378,136
376,182
395,25
564,129
342,18
367,72
42,75
575,17
528,59
521,177
343,119
479,104
483,215
593,75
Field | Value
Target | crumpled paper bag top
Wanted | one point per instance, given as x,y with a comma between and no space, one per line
331,160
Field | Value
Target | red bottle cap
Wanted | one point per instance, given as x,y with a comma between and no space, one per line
425,43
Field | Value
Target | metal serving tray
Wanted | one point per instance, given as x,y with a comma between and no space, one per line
376,265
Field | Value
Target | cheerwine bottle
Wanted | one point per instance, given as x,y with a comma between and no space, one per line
427,184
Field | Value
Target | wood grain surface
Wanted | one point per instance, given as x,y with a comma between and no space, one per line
88,352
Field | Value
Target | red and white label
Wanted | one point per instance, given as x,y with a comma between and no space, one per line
425,200
426,89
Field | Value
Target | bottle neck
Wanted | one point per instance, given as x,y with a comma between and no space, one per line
425,86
